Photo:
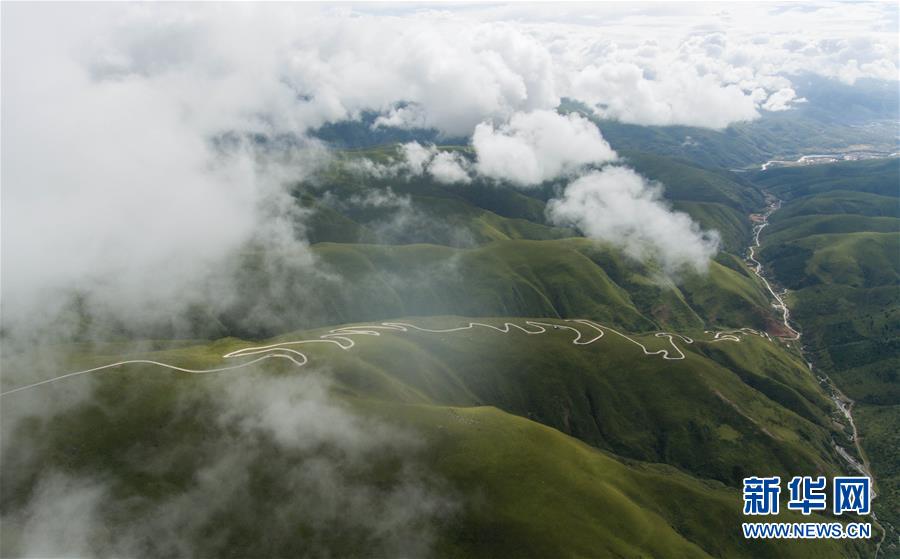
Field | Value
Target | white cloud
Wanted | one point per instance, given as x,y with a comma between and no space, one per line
782,100
538,146
415,160
677,95
619,206
443,72
449,168
416,157
614,204
701,67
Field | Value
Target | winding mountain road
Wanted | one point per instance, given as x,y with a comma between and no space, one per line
343,338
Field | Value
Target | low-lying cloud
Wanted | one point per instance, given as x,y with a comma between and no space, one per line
445,167
622,208
118,194
614,204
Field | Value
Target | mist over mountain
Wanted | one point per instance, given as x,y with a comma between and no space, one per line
397,280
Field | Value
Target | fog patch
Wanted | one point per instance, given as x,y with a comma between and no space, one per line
280,467
392,218
61,520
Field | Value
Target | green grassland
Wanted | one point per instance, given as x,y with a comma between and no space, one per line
841,202
549,448
747,145
835,244
842,268
860,259
785,229
418,247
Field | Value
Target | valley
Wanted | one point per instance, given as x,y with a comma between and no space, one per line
842,403
853,199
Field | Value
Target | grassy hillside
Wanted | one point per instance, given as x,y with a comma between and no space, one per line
841,202
748,145
561,278
861,259
502,422
686,181
835,244
422,219
405,245
878,430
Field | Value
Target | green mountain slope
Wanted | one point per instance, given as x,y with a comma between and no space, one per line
412,246
841,202
499,416
562,278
